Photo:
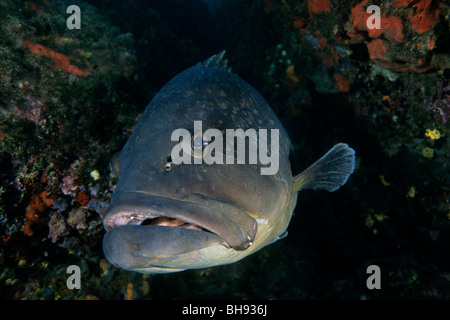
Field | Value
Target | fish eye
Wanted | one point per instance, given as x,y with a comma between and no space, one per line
198,145
197,142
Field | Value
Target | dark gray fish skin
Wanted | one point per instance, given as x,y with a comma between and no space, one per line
228,211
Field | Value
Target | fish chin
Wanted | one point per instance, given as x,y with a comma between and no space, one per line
160,249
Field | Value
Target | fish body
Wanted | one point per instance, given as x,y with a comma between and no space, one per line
166,217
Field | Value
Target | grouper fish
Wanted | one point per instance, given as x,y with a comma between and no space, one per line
166,217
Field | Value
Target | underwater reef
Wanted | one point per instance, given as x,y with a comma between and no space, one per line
69,100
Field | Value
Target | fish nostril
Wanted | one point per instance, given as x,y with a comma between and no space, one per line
169,164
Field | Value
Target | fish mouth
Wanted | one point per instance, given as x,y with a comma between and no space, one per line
166,226
149,219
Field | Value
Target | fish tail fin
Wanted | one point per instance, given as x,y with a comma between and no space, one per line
217,61
329,172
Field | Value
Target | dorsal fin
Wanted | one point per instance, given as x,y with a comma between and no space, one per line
329,172
217,61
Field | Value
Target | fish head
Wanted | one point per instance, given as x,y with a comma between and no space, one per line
166,217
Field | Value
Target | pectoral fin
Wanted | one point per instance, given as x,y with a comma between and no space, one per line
329,172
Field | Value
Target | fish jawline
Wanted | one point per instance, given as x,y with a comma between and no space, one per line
225,220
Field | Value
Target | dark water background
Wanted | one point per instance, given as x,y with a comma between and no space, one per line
375,219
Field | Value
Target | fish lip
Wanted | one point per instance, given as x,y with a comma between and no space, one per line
128,247
226,220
